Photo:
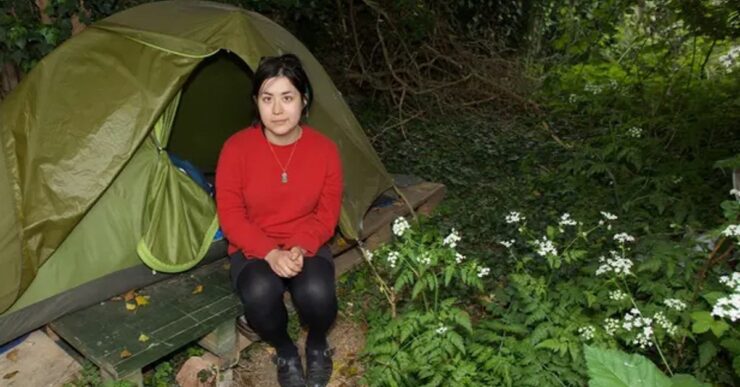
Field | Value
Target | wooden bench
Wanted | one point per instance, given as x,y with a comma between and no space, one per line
200,304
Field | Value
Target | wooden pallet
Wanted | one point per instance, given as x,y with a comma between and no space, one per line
200,304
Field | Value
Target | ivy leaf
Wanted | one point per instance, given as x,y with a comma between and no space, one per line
702,321
719,327
612,368
707,352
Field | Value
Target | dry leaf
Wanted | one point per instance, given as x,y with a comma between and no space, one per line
198,289
9,375
143,338
129,295
125,353
142,300
12,355
130,306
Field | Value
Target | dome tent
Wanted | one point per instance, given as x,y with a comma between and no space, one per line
87,190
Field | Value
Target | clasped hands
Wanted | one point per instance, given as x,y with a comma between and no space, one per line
286,263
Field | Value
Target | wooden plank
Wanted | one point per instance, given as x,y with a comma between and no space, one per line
176,315
37,361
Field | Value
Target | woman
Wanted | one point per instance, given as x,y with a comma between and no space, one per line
278,194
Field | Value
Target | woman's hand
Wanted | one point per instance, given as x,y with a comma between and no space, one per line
283,263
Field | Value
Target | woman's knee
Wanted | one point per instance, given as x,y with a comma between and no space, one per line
258,284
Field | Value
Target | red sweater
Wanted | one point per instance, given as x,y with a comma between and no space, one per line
258,212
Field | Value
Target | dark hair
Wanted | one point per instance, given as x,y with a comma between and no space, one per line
288,66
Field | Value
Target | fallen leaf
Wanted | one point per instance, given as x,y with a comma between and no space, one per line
198,289
129,295
125,353
12,355
130,306
143,338
142,300
9,375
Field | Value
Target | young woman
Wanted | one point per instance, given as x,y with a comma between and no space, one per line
278,194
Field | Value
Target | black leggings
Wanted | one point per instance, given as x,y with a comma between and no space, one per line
313,292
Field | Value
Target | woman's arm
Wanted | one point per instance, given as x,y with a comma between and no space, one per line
319,227
232,211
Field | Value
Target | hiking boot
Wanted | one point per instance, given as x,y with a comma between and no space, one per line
319,367
289,371
242,325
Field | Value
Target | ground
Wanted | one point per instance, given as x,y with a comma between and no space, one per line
347,337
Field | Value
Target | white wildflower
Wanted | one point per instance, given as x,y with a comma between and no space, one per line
545,247
425,259
617,264
592,88
617,295
566,220
732,281
508,243
728,307
514,217
572,98
483,271
459,258
452,239
675,304
732,230
367,254
736,193
663,322
441,330
634,132
587,332
611,326
644,338
624,238
393,258
400,225
608,216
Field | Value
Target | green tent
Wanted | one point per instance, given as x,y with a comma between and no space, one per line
91,203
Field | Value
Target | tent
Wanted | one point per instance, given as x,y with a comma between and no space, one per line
91,202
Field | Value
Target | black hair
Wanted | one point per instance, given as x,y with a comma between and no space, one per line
288,66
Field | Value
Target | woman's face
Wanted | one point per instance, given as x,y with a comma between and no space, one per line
280,105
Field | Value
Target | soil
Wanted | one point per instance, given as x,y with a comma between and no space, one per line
347,337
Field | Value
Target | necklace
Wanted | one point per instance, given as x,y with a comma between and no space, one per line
284,175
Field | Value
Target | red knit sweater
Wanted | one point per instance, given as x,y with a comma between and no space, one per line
258,212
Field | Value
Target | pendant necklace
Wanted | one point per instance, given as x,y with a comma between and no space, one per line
284,175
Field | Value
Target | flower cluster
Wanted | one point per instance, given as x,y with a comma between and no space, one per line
572,98
441,330
736,193
566,220
634,132
400,226
675,304
367,254
393,258
623,238
663,322
592,88
617,264
732,230
483,271
514,217
587,332
729,307
425,259
731,281
452,239
508,243
459,258
545,247
611,325
731,59
608,216
617,295
634,320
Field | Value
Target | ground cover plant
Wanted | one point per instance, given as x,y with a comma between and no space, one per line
588,150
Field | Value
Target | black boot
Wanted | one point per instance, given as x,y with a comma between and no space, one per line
319,367
289,371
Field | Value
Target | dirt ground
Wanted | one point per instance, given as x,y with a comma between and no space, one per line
346,337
